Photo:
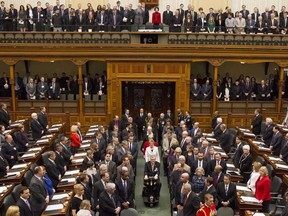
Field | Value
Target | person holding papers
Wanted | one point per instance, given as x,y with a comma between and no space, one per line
262,192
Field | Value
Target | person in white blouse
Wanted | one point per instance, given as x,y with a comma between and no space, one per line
152,150
254,176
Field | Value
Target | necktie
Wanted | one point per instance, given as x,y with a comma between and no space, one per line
38,21
226,189
130,146
125,188
114,19
152,167
28,204
185,200
53,87
113,201
199,165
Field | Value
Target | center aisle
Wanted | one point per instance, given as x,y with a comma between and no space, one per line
163,207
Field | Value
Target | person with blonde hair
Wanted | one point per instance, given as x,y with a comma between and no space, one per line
262,189
13,210
254,176
75,139
85,209
198,180
77,199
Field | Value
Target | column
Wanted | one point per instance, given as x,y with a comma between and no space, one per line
215,63
80,62
282,65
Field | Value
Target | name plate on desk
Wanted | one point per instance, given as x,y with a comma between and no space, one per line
77,160
90,134
54,207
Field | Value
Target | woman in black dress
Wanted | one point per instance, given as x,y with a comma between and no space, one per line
77,199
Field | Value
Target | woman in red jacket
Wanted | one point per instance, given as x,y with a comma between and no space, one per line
156,18
75,139
262,192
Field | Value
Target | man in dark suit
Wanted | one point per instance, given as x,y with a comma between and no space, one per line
66,153
125,190
114,21
111,167
273,24
133,148
89,157
191,202
236,92
5,85
21,139
101,143
109,204
268,131
115,122
9,151
102,21
39,18
152,169
238,152
181,11
36,127
217,132
179,196
208,188
145,13
39,197
256,122
13,14
42,118
54,90
244,12
276,142
52,169
214,119
99,187
284,150
81,19
4,116
26,209
195,90
217,161
167,16
247,89
200,162
262,91
59,160
4,166
175,176
207,90
226,192
126,18
225,139
140,121
250,24
84,180
266,15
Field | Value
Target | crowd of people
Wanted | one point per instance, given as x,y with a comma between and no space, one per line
59,18
196,171
243,88
45,87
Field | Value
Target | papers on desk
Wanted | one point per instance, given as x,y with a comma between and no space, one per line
249,134
217,147
232,172
71,172
208,134
283,166
47,136
79,160
18,166
85,146
259,143
249,199
69,180
7,132
230,165
210,139
54,207
56,125
90,134
60,196
15,125
86,141
3,188
28,155
34,149
80,154
284,129
264,149
20,121
53,129
94,126
274,158
258,214
12,174
243,188
42,141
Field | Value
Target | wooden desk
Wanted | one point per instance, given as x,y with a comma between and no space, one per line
245,133
65,201
4,193
278,170
17,179
67,186
31,156
251,213
243,206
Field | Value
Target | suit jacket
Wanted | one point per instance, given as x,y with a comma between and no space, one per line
112,169
257,123
201,24
4,118
53,172
225,141
276,142
217,132
148,169
196,165
89,84
167,17
205,191
130,170
36,129
42,87
66,153
84,164
255,16
42,17
238,153
245,164
245,13
81,20
178,197
24,209
61,163
8,151
106,205
206,89
3,164
21,139
274,23
217,178
128,195
214,121
266,17
192,205
98,188
231,194
111,20
57,91
43,120
140,121
284,152
38,193
105,19
268,134
212,165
